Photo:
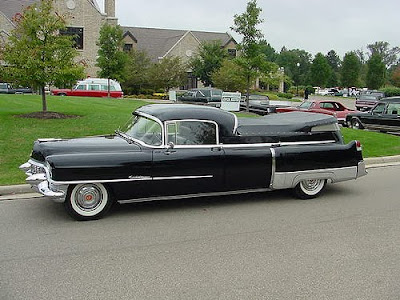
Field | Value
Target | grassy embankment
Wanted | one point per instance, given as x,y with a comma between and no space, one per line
101,116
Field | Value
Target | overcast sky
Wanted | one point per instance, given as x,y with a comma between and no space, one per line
311,25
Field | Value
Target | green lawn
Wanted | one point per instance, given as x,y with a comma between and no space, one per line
101,116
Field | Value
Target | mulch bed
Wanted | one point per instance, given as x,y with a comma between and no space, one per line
47,115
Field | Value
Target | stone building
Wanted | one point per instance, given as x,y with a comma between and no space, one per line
161,43
85,19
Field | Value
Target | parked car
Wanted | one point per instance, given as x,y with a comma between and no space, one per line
210,96
180,151
332,108
384,116
7,88
368,99
260,104
92,87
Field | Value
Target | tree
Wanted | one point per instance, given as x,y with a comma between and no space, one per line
333,60
351,70
168,73
229,77
209,59
320,70
251,61
395,77
268,51
376,72
335,64
111,58
389,55
36,54
137,72
296,64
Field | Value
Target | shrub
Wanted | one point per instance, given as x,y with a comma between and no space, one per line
391,91
285,95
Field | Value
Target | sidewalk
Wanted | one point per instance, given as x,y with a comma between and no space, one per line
19,191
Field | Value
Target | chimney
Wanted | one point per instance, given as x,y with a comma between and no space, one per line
109,8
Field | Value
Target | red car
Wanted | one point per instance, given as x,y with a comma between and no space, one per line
92,87
332,108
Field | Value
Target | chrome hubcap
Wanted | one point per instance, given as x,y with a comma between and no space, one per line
88,197
311,185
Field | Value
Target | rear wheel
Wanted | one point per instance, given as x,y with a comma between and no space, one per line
62,94
307,189
88,201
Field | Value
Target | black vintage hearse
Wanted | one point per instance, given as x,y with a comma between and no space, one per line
180,150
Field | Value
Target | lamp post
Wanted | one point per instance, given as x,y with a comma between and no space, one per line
297,78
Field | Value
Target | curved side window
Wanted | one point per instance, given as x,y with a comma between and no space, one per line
146,130
192,132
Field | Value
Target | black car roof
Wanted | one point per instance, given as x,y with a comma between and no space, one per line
391,99
227,121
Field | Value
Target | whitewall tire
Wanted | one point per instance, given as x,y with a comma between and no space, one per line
307,189
88,201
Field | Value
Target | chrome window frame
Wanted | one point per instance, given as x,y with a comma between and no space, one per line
193,120
162,146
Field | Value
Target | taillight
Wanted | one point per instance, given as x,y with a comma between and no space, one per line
358,146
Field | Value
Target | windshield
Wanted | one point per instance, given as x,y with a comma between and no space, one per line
369,97
143,129
305,105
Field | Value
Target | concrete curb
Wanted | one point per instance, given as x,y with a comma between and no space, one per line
7,192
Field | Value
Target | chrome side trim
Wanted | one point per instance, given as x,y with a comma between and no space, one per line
273,167
277,144
192,196
284,180
130,179
183,177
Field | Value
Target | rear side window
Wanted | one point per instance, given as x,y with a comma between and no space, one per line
393,109
192,133
94,87
104,87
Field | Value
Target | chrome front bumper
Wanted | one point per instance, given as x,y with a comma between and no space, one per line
39,179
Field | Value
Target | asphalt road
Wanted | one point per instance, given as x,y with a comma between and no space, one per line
343,245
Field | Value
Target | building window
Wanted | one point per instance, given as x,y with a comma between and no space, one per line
128,47
77,33
232,52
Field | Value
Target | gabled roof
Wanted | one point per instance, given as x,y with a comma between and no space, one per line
157,42
10,7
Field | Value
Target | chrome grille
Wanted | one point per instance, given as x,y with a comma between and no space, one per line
36,169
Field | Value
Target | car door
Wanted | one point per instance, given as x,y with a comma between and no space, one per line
373,119
390,119
192,163
248,166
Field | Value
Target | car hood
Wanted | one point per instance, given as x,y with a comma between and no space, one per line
43,148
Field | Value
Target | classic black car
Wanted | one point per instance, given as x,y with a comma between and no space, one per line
260,104
202,96
385,116
181,150
6,88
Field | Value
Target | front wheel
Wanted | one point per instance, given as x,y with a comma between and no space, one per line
307,189
88,201
356,124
